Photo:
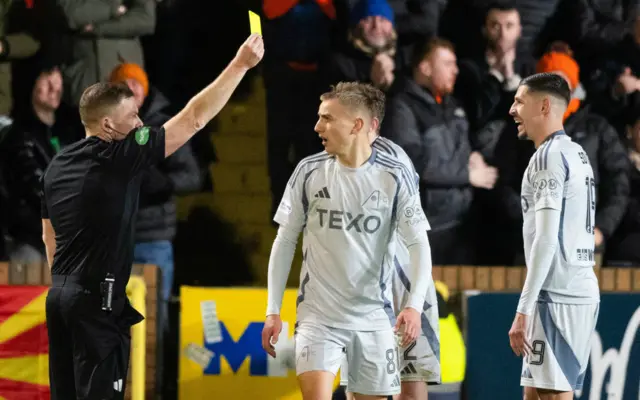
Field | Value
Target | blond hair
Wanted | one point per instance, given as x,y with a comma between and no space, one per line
358,95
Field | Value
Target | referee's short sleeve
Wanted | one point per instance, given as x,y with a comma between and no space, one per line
143,147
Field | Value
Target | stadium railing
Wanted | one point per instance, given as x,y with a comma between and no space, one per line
504,279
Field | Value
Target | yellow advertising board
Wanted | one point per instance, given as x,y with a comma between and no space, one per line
221,353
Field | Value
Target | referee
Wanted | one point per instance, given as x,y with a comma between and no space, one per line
89,204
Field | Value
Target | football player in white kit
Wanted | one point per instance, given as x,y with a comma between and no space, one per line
559,304
351,202
419,361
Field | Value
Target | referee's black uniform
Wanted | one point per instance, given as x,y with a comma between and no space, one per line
90,194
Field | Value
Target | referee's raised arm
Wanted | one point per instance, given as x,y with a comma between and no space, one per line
207,104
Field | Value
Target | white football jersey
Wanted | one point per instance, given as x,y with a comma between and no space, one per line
351,218
560,177
401,282
384,145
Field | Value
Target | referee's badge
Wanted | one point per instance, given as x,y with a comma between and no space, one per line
142,135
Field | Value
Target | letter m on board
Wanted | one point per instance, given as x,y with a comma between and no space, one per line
248,345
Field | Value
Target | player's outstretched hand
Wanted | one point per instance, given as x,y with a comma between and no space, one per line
410,318
517,338
251,52
270,334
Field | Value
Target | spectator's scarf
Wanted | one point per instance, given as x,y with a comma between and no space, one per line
555,61
356,37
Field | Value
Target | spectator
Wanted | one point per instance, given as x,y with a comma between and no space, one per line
100,34
486,85
623,245
427,122
15,44
177,174
596,25
36,135
487,82
599,140
371,53
292,83
612,82
535,16
414,19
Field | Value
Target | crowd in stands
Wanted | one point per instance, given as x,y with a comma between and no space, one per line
449,69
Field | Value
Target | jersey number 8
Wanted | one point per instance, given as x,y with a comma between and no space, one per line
392,357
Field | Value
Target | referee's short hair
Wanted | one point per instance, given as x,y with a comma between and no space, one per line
99,99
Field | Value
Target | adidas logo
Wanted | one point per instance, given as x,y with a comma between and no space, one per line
117,385
323,194
396,382
409,369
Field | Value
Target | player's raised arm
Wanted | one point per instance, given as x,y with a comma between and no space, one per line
413,227
207,104
548,183
291,216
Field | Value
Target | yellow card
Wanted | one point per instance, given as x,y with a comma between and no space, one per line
254,23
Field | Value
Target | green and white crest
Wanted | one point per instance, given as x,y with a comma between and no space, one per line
142,135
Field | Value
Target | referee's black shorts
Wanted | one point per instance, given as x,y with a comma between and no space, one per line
88,348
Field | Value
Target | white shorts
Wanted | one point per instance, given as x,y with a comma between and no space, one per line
420,361
560,335
372,354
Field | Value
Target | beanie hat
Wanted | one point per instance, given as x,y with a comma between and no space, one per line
126,71
557,61
560,59
370,8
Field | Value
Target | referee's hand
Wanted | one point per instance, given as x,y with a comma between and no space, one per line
270,333
251,52
410,318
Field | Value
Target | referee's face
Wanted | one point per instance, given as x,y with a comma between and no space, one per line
335,126
124,118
